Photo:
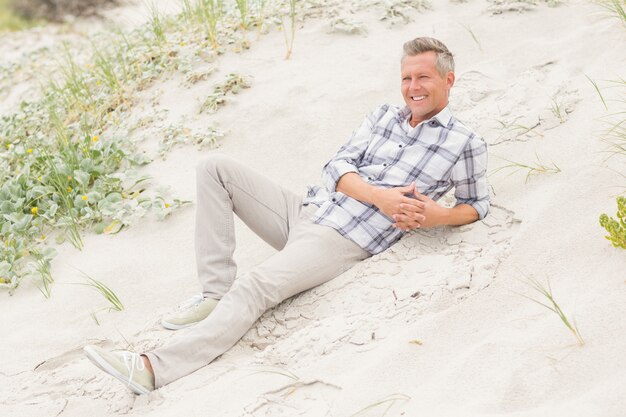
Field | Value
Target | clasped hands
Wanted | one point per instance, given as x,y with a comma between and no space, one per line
409,213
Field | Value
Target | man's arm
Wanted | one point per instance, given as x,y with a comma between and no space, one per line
388,200
469,176
349,156
431,214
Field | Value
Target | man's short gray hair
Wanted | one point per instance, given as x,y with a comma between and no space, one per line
445,60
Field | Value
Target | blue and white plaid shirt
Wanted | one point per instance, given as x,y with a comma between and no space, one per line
438,154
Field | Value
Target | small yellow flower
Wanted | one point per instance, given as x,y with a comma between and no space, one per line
99,82
69,178
182,44
95,138
167,205
34,210
42,237
40,179
69,189
9,145
85,198
30,150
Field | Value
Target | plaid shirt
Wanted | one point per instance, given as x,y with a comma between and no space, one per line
438,154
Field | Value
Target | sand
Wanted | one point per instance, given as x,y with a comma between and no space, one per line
439,324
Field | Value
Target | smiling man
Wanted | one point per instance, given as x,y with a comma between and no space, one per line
383,182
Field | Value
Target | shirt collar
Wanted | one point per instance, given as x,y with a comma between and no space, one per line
442,118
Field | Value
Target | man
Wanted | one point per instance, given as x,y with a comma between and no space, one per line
382,183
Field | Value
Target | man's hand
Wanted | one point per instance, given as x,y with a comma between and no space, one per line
430,214
409,213
391,200
425,212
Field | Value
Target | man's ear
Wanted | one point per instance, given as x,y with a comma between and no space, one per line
450,79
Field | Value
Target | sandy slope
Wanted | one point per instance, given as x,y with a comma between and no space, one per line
486,350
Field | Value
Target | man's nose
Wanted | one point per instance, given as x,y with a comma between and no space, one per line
415,84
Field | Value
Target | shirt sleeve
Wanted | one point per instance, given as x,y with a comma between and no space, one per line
469,176
348,158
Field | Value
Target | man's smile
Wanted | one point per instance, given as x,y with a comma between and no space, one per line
418,98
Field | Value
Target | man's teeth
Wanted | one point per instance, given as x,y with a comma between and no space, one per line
418,98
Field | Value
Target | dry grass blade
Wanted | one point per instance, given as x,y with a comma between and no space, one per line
390,399
539,168
279,371
551,304
471,32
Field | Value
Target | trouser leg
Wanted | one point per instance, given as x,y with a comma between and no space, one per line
313,255
224,187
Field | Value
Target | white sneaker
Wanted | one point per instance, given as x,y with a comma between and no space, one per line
126,366
188,313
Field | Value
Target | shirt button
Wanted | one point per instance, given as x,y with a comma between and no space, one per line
369,178
333,199
432,123
399,146
384,165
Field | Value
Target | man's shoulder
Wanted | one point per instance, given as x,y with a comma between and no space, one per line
461,129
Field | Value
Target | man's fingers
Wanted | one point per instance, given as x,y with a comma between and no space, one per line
409,218
406,226
413,206
407,188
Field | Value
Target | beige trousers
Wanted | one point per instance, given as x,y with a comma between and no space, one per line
308,255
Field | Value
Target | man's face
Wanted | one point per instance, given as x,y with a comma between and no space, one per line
424,90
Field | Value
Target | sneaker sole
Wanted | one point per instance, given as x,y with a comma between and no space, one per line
99,361
172,326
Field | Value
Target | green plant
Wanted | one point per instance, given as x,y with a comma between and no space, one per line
12,21
546,292
242,7
106,292
156,24
233,84
616,227
206,13
557,109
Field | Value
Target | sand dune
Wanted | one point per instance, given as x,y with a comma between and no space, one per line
438,325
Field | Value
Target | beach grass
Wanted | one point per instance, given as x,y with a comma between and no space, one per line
616,9
387,401
556,107
10,21
473,35
545,291
290,34
595,86
75,171
531,169
115,304
67,164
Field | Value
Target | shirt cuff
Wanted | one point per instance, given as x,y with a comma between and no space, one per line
481,206
334,172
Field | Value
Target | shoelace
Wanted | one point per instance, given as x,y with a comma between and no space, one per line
191,302
132,361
